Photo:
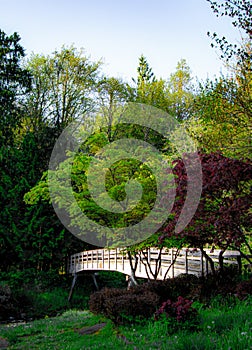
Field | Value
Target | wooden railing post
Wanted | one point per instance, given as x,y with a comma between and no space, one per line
186,262
149,256
202,264
116,259
172,263
239,262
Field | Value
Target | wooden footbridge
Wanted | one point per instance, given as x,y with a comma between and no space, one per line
151,263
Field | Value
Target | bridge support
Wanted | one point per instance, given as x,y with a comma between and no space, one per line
95,281
72,287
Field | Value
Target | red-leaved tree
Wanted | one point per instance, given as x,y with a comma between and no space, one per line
223,218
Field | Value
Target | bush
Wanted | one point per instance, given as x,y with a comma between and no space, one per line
97,299
178,315
7,304
223,282
244,289
122,306
181,310
182,285
30,294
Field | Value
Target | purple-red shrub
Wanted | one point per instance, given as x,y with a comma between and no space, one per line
181,310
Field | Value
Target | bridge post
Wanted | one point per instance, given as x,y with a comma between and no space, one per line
116,258
202,264
172,263
186,261
239,262
95,281
72,286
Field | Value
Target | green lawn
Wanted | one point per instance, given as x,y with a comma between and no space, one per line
222,326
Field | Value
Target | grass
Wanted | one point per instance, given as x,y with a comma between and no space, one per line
223,325
46,294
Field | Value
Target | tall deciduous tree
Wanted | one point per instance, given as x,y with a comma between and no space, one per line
174,96
222,117
240,11
63,87
112,95
180,91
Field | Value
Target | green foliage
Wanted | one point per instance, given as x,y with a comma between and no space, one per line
32,236
62,86
181,91
175,96
29,294
14,83
219,328
222,116
240,12
67,86
111,279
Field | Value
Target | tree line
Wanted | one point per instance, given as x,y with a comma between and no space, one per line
42,94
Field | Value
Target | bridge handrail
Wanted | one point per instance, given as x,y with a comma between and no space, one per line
110,259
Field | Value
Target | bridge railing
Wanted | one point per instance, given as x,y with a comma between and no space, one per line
187,261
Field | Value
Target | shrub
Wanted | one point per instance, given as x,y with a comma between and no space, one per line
181,310
7,304
122,306
243,289
131,307
97,299
182,285
223,282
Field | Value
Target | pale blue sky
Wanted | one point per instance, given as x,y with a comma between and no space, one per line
119,31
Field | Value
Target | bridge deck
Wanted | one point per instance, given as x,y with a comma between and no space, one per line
187,261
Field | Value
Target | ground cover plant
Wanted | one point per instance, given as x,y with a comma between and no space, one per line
224,323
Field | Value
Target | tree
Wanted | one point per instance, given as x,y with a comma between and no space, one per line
223,218
128,208
145,73
241,12
222,114
63,88
14,83
148,89
112,94
174,96
180,91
